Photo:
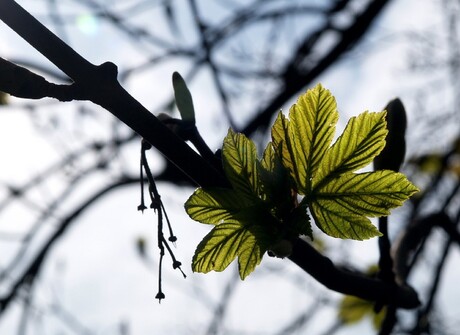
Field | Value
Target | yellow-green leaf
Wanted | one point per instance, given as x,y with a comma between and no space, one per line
282,143
217,205
362,139
227,241
303,139
312,126
239,155
262,210
353,309
341,206
370,194
339,222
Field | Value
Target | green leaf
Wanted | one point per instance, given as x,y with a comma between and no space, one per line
217,205
274,181
371,193
245,226
312,127
183,98
276,189
302,141
270,160
341,206
362,139
353,309
239,155
338,222
227,241
282,143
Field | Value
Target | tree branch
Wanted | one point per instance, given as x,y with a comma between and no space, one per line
99,84
297,77
323,270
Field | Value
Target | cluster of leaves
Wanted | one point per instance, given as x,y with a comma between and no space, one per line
299,175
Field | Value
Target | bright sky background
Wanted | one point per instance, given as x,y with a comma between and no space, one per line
95,273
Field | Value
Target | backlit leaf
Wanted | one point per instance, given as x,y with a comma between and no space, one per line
282,143
216,205
262,209
336,221
239,156
353,309
371,193
226,241
362,139
312,126
341,207
303,139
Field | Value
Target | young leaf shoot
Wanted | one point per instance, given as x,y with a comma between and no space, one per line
262,212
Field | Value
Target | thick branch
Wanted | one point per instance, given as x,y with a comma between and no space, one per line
99,84
346,282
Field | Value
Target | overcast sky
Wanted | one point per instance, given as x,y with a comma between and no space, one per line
95,272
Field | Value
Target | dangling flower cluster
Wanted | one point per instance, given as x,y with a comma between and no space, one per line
157,205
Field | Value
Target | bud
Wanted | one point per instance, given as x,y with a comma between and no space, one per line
392,156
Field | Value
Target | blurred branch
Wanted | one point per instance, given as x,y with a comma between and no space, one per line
221,309
99,84
207,49
296,75
31,272
300,320
423,325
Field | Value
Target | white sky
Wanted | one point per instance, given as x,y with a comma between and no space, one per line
95,273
